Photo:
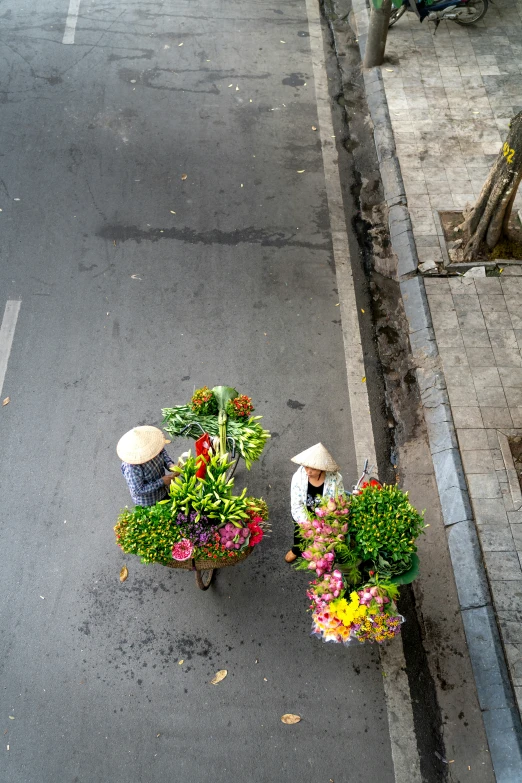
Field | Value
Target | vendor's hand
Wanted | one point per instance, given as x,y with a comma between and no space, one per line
174,468
167,480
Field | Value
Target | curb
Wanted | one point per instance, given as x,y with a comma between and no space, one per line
495,694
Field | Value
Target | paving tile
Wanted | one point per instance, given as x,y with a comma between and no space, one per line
459,375
491,396
496,416
503,338
480,357
498,319
453,357
502,566
507,357
462,395
472,320
510,376
471,440
496,538
483,485
445,319
507,595
513,397
490,511
466,304
516,415
492,303
514,517
467,417
475,338
488,285
441,303
449,338
461,286
516,532
476,461
485,377
513,651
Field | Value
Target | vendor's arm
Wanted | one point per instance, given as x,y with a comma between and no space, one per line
168,462
135,479
298,497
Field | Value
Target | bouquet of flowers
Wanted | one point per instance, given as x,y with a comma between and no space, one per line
202,519
361,547
224,414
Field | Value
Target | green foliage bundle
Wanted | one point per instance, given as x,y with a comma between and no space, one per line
384,525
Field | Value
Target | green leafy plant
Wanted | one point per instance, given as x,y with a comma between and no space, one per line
249,435
151,531
384,526
148,531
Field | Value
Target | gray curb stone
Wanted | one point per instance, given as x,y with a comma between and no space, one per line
500,714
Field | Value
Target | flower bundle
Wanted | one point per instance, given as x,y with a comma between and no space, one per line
359,546
198,521
222,412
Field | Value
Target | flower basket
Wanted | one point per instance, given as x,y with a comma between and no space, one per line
206,564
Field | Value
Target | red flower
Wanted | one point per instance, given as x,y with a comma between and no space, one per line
256,534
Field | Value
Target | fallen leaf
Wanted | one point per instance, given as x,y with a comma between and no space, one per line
181,661
301,171
237,88
123,574
282,41
172,212
220,675
241,184
158,735
181,44
135,277
133,81
11,717
338,304
390,70
6,401
230,85
184,177
250,100
313,127
290,719
363,379
8,747
16,199
264,678
362,311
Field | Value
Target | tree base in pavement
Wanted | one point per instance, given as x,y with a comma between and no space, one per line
488,222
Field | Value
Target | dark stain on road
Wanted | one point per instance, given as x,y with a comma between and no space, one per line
296,405
250,235
294,80
303,34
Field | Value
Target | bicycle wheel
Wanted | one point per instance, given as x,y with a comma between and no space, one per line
204,578
396,15
474,12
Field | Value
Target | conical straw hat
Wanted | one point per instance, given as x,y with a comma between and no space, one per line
140,444
316,457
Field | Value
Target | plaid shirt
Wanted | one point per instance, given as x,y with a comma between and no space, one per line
146,481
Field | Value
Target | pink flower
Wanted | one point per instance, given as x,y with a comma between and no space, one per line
182,550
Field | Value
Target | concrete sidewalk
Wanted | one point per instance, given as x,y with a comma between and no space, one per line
440,107
451,94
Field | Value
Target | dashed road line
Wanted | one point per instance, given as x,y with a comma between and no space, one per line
71,21
404,748
7,331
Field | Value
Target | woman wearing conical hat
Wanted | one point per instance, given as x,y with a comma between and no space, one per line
144,461
317,477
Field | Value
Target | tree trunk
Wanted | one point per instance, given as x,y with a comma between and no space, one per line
489,218
377,34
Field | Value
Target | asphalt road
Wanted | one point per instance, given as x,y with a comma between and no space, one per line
136,287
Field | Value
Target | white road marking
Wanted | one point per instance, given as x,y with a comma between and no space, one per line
70,24
7,330
404,749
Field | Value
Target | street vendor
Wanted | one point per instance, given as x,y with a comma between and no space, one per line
317,477
144,464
